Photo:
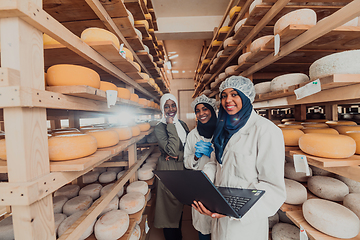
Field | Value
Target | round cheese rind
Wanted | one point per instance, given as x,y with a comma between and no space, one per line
320,130
295,192
143,22
263,87
68,191
295,126
107,86
138,186
291,136
70,220
224,29
327,145
331,218
105,138
124,93
282,231
112,225
354,186
230,41
92,190
260,42
138,33
356,136
94,34
339,123
135,235
216,43
243,58
105,190
321,172
352,202
337,63
47,40
135,131
152,165
130,17
59,218
144,127
70,75
231,70
132,202
120,174
58,203
76,204
233,11
327,188
90,177
343,129
71,146
124,133
315,124
145,173
113,205
7,229
239,24
302,16
254,4
297,176
284,81
107,177
134,97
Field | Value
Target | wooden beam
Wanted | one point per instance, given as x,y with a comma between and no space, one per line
300,113
132,153
331,112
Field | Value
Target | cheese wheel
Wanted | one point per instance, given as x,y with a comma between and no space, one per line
254,4
47,40
2,149
107,177
76,204
112,225
132,202
135,131
70,220
138,33
138,186
70,75
120,174
144,75
231,70
291,136
295,126
337,63
301,17
92,190
59,218
285,231
7,229
137,66
107,86
145,173
128,54
124,93
342,129
87,129
113,205
68,191
105,138
94,34
65,132
151,81
284,81
297,176
144,127
220,53
105,190
296,193
239,24
331,218
327,145
154,158
100,169
222,76
327,188
261,88
321,172
292,122
315,124
354,186
230,41
148,16
90,177
243,58
216,43
134,97
260,42
135,235
152,165
124,133
58,203
320,130
143,22
336,123
143,101
317,120
224,29
234,10
352,202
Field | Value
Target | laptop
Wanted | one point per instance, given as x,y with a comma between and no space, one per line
193,185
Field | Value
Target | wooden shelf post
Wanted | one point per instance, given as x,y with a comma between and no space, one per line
300,112
132,151
331,112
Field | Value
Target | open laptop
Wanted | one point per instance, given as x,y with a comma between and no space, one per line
193,185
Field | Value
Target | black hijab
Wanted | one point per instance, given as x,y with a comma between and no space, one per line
207,130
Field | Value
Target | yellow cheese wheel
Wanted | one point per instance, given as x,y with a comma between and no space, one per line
151,81
70,75
320,130
144,127
291,136
2,149
66,147
317,120
143,101
144,75
134,97
315,124
65,132
356,136
124,133
148,16
128,54
135,131
107,86
216,43
327,145
224,29
293,122
287,120
95,34
137,66
49,40
342,129
335,123
233,11
142,22
295,126
124,93
105,138
87,129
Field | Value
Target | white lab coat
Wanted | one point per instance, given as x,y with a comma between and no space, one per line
253,158
201,223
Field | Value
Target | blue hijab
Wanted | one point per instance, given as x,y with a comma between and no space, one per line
228,125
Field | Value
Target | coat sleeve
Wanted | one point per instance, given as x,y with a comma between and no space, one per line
168,139
210,168
270,168
189,152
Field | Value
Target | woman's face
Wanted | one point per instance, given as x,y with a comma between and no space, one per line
170,108
203,114
231,101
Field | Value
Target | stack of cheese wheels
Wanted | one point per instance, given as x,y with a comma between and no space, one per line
331,218
234,10
112,225
3,149
352,202
138,186
292,174
284,81
282,231
132,202
239,24
356,136
260,42
336,123
145,173
315,124
68,191
342,129
296,193
105,190
301,16
327,145
328,188
143,22
135,131
105,138
135,235
134,97
295,126
216,43
58,219
107,177
70,220
243,58
230,41
143,101
337,63
124,133
320,130
92,190
231,70
71,146
7,229
291,136
94,34
144,126
70,75
90,177
261,88
47,40
58,203
107,86
76,204
124,93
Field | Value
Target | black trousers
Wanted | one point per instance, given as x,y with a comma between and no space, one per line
173,233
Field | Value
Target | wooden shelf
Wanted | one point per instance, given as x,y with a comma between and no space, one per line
134,6
135,43
244,30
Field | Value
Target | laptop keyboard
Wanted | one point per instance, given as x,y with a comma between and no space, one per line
236,202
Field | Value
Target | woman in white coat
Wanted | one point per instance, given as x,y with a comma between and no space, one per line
199,151
250,153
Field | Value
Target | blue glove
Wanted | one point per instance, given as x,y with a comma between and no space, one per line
203,148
